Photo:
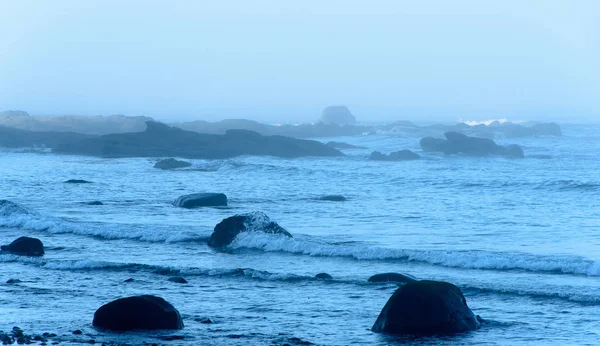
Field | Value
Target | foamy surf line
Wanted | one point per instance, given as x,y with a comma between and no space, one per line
13,215
455,259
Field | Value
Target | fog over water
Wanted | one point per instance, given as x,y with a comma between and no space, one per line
282,61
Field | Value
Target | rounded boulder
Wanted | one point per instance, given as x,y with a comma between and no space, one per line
144,312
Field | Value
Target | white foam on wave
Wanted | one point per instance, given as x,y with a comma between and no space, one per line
13,215
457,259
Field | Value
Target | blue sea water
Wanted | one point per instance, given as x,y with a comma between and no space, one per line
521,238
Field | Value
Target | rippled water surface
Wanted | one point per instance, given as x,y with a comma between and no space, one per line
521,238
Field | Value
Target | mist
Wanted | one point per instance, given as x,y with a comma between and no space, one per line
284,62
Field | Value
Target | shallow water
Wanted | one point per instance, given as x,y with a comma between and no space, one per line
519,237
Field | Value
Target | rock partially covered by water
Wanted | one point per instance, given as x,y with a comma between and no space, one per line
339,115
226,230
342,145
458,143
171,163
426,308
138,312
77,181
197,200
324,276
25,246
332,198
402,155
392,277
177,279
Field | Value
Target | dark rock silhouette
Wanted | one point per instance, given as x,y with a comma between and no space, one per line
458,143
332,198
25,246
95,203
426,308
339,115
77,181
226,230
171,163
162,140
198,200
323,276
177,279
139,312
402,155
342,145
392,277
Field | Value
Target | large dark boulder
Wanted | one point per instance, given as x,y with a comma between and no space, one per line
171,163
459,143
338,115
426,308
197,200
139,312
392,277
402,155
226,230
25,246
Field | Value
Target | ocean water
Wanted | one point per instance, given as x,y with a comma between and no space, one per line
521,238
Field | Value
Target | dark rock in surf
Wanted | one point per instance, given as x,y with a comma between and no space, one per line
13,281
342,145
226,230
332,198
392,277
77,332
402,155
177,279
129,280
458,143
77,181
323,276
138,312
25,246
171,163
95,203
197,200
426,308
338,115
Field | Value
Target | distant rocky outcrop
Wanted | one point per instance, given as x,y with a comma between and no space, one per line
11,113
339,115
458,143
426,308
342,145
226,230
144,312
162,140
332,198
171,163
25,246
198,200
392,277
402,155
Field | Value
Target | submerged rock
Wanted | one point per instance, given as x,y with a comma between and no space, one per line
13,281
95,203
339,115
77,181
171,163
392,277
332,198
138,312
323,276
226,230
197,200
458,143
402,155
25,246
177,279
426,308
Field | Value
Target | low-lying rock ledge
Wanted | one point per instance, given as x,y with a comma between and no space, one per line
197,200
25,246
144,312
171,163
402,155
392,277
426,308
458,143
226,230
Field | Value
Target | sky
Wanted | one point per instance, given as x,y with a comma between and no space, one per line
284,61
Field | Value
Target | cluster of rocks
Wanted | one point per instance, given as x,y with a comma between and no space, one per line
458,143
16,335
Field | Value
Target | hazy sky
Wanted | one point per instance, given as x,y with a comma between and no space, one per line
280,60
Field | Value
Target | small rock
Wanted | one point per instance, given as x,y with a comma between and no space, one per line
77,332
333,198
324,276
77,181
177,279
13,281
95,203
129,280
